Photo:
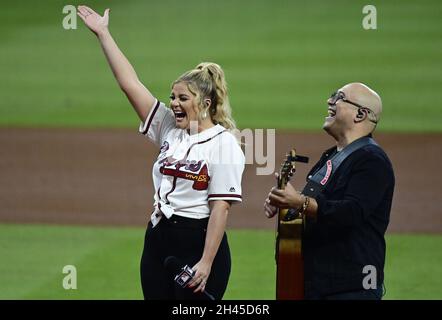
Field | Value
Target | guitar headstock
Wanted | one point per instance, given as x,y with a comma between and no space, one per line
288,167
287,170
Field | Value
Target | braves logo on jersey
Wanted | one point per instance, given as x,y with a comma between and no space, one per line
164,147
189,170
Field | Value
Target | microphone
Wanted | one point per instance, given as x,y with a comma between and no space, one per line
183,274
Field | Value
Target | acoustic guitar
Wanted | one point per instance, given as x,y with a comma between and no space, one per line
288,254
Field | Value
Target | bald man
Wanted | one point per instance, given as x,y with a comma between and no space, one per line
346,202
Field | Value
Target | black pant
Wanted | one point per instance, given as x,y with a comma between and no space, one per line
183,238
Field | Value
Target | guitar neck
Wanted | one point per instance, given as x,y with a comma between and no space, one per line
282,183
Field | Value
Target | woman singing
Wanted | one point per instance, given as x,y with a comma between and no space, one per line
196,177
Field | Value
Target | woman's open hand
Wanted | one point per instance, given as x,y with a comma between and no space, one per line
96,23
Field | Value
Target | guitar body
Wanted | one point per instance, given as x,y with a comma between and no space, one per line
288,254
289,262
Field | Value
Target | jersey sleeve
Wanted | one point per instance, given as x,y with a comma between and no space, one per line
158,123
225,169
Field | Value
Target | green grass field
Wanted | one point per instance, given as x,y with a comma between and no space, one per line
282,59
107,262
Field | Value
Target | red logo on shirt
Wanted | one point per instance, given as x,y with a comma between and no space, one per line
201,179
328,173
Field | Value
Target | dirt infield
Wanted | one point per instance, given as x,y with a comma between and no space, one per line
103,177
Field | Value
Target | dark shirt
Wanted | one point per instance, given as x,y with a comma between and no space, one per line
353,215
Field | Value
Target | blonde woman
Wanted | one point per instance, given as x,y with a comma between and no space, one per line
196,177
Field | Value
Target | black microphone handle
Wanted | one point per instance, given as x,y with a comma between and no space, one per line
208,295
172,263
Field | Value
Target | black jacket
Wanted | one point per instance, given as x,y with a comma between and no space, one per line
353,215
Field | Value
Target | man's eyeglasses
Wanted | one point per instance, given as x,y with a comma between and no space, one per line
339,95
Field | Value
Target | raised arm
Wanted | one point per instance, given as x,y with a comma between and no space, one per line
139,96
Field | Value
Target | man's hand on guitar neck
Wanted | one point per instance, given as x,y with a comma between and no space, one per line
286,199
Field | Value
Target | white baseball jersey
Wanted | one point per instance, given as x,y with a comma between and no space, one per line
191,170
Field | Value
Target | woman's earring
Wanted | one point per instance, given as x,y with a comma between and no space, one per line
205,114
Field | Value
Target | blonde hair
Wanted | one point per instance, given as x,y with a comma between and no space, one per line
207,81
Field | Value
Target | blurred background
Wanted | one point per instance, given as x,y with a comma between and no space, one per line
75,182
